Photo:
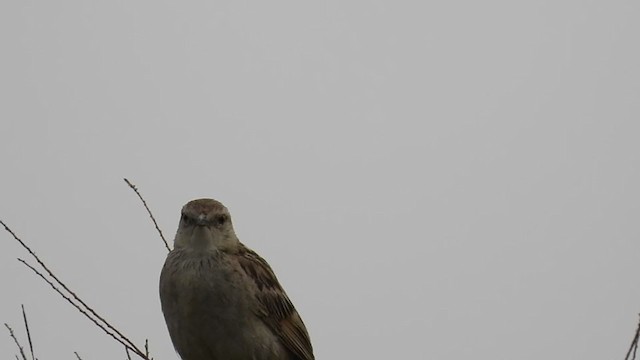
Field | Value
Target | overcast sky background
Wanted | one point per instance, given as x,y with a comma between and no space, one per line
429,180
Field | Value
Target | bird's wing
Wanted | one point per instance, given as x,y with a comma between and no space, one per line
275,308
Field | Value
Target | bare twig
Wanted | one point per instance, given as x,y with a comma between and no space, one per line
77,356
70,301
74,300
135,189
634,345
59,282
104,325
146,349
26,325
13,336
126,349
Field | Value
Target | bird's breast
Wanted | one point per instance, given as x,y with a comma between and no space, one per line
203,284
207,306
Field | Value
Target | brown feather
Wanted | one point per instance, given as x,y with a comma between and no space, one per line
276,310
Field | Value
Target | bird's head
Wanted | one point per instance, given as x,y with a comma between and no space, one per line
205,224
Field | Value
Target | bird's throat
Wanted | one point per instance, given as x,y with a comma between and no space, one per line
202,238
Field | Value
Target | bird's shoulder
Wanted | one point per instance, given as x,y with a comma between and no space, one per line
274,306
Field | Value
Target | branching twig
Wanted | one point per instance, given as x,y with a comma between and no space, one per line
63,290
135,189
26,325
70,301
634,345
74,300
59,282
106,327
15,339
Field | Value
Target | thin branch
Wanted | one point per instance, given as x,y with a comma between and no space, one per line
77,356
146,348
26,325
135,189
69,300
13,336
134,348
105,326
126,349
634,344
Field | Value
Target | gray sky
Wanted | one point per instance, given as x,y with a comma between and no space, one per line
429,180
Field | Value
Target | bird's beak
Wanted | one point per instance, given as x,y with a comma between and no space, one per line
202,220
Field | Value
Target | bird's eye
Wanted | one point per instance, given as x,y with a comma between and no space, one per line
221,219
185,218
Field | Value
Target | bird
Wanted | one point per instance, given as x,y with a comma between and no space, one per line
220,299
